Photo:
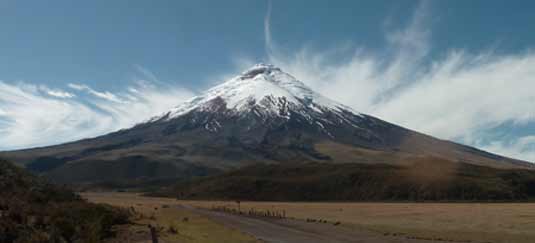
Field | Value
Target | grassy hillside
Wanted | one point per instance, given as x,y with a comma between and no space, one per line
425,179
32,210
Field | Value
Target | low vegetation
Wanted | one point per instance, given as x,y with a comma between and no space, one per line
172,222
427,179
398,222
32,210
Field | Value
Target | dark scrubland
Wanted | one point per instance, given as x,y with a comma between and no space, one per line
33,210
426,179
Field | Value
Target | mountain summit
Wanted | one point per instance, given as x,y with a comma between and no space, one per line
263,115
265,94
264,87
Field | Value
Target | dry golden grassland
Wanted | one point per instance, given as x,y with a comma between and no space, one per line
475,222
175,224
462,222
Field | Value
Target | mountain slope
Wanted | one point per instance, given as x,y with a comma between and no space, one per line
427,179
263,115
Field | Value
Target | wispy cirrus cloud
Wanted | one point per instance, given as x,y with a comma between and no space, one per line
267,30
57,93
103,95
37,115
521,147
460,96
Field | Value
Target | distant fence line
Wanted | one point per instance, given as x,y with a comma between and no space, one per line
277,214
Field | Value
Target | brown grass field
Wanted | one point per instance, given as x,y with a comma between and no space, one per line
492,222
160,213
461,222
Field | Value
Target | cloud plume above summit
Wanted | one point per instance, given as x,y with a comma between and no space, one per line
460,96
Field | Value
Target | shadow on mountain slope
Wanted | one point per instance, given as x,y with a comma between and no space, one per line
426,179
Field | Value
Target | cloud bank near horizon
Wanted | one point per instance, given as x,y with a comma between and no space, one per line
461,96
36,115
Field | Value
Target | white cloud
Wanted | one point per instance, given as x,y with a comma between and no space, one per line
147,73
56,92
267,29
103,95
463,94
521,148
458,96
37,115
79,87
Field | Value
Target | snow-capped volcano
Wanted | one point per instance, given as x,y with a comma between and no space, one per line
263,115
262,85
265,91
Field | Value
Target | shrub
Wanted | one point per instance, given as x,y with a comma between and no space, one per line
34,211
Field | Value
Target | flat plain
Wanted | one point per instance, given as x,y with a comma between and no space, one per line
470,222
433,222
174,224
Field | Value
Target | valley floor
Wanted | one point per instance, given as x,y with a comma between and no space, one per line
358,222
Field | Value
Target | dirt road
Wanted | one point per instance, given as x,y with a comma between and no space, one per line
297,231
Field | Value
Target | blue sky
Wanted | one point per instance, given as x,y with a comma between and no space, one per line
100,42
460,70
